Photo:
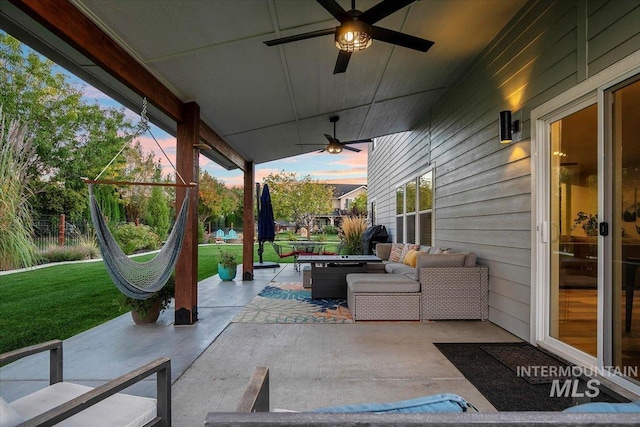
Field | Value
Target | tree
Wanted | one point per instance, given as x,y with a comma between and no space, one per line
138,167
157,210
216,200
299,199
359,206
72,138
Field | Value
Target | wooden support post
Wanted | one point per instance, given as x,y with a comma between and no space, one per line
186,299
248,220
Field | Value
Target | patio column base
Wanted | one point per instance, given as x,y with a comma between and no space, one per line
186,317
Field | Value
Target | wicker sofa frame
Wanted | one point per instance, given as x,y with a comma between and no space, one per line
459,293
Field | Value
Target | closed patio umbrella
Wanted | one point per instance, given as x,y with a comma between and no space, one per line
266,229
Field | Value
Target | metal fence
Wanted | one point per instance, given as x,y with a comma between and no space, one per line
56,230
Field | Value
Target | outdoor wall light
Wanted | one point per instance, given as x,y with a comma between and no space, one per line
353,36
507,127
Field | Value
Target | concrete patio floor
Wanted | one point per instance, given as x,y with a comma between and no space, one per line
311,365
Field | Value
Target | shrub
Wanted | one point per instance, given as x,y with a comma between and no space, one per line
330,229
132,238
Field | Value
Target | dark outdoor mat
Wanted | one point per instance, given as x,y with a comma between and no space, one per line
528,362
499,384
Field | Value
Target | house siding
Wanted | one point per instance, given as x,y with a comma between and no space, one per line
482,199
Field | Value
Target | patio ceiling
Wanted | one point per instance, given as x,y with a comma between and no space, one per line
264,101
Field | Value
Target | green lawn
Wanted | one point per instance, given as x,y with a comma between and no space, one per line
63,300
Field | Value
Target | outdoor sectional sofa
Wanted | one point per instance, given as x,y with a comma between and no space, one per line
444,284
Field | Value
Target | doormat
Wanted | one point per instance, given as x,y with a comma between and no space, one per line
289,302
499,384
530,363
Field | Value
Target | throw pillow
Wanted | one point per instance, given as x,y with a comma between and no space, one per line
396,251
411,258
405,250
444,251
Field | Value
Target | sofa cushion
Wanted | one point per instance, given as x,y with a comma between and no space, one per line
385,283
424,248
470,260
438,260
435,403
399,268
396,252
383,250
117,410
408,247
9,417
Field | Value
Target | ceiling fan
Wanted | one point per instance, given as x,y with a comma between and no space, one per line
356,30
335,145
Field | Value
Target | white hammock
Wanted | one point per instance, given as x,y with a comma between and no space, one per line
138,280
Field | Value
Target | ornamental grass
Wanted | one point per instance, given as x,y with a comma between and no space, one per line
16,222
351,233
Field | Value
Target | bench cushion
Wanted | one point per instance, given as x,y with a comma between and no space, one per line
115,411
384,283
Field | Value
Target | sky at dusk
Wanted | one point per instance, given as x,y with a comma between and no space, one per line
344,168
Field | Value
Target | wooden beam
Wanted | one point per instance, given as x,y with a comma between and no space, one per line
248,234
68,23
215,141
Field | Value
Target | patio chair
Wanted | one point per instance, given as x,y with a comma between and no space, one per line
219,236
81,405
280,251
231,236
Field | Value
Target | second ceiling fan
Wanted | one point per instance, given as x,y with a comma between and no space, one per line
356,30
335,145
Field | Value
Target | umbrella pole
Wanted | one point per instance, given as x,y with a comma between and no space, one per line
260,250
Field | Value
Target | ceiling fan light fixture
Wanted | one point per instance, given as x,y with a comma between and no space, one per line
353,36
334,148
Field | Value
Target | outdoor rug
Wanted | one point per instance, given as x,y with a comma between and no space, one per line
497,378
289,302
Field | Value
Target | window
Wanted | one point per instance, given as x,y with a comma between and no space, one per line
425,200
400,214
414,207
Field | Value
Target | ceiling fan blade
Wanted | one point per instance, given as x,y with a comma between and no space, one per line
360,141
382,10
335,9
298,37
352,149
331,139
342,62
321,151
400,39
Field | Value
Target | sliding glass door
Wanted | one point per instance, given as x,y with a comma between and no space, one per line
624,135
590,230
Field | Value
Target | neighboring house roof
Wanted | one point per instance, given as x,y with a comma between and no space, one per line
344,189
